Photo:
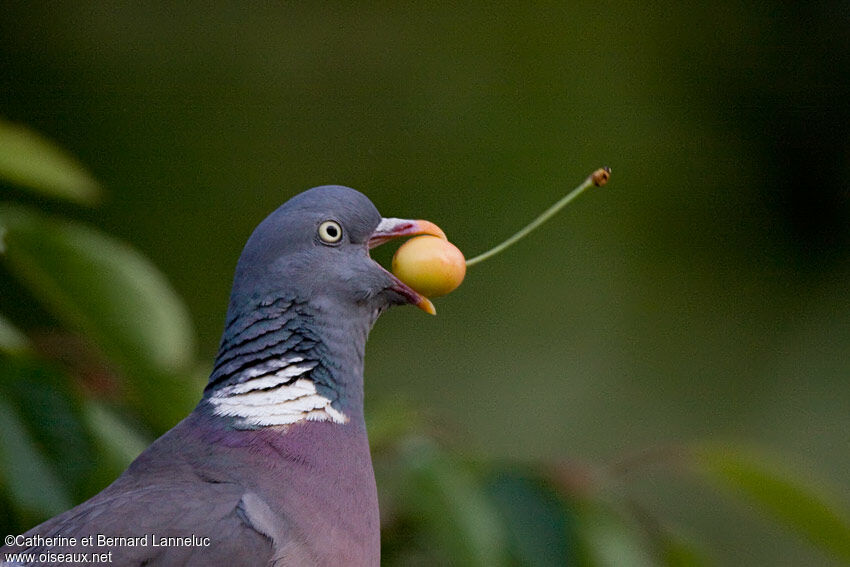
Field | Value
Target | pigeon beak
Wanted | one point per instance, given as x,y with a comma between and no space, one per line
391,228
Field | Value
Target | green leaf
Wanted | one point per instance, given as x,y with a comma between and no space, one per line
115,297
117,437
792,501
33,487
30,160
100,286
446,496
12,341
540,532
51,412
610,538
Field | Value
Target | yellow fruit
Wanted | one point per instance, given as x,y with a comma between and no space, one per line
430,265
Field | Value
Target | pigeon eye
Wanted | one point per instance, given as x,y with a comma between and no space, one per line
330,232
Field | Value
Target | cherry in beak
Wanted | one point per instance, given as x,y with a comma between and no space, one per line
391,228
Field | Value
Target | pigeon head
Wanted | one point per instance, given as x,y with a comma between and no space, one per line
305,295
315,248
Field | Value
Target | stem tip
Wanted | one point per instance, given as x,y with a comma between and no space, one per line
601,176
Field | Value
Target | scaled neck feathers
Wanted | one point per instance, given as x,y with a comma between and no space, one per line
281,361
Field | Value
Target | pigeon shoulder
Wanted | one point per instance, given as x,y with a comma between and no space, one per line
165,509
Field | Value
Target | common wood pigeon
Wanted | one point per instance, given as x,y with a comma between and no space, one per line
272,467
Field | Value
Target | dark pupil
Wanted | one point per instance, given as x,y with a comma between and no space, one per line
331,230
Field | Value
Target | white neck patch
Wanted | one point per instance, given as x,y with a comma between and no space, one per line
273,399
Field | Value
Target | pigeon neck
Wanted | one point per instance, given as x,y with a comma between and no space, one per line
282,361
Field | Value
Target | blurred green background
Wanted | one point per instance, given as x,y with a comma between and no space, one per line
701,296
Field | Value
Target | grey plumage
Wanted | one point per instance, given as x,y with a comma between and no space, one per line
273,466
